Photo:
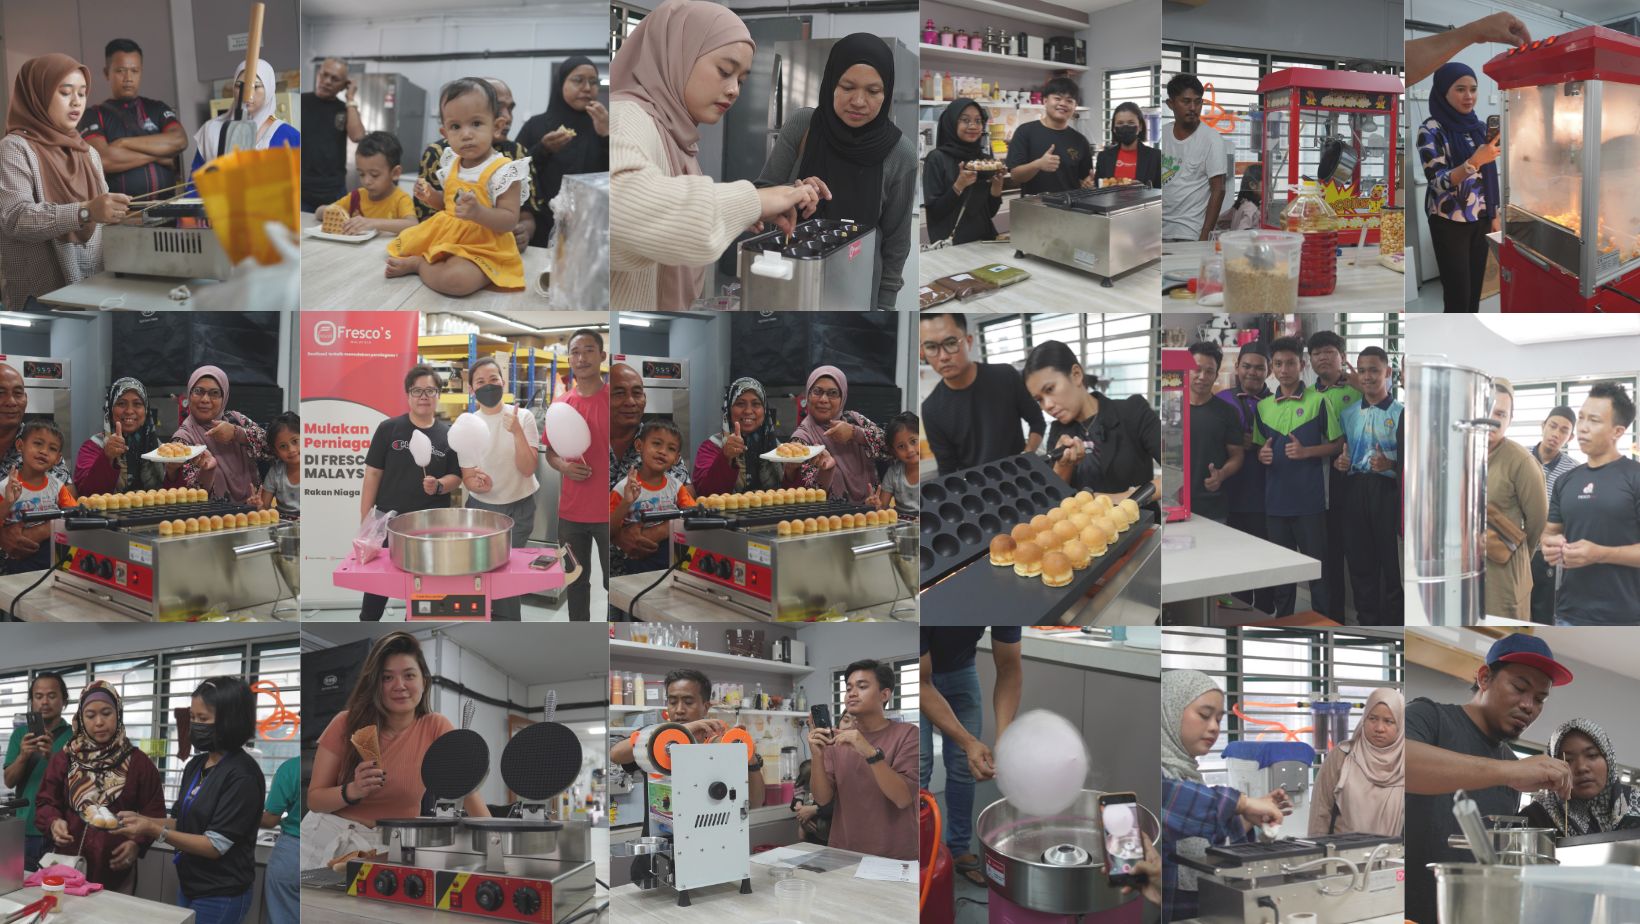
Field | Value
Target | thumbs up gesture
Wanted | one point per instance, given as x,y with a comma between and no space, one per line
1214,479
1266,453
1049,162
734,445
1295,449
1380,462
1342,460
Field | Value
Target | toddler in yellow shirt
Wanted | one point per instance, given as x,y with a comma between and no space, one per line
378,204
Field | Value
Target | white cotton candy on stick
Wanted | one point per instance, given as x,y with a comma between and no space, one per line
1042,763
469,437
421,449
567,431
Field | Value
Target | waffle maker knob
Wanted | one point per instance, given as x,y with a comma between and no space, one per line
490,897
717,791
527,901
385,883
414,886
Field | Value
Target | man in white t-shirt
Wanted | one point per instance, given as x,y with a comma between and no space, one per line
1194,163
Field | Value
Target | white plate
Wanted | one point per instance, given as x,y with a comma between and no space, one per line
156,457
322,234
813,451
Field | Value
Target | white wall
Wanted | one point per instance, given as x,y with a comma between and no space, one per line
832,647
447,659
529,78
1370,29
1462,339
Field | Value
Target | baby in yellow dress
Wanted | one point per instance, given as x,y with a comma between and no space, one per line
469,244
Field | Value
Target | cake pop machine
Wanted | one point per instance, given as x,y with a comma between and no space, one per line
1044,870
697,809
172,238
1568,172
1339,878
450,563
527,867
738,558
117,558
823,265
963,511
1105,232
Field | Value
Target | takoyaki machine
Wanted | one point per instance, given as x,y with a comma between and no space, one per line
741,558
1570,172
522,867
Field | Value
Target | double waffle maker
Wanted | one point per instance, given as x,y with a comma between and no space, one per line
963,511
1338,878
524,867
738,558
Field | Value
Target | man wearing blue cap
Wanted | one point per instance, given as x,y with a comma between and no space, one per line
1452,747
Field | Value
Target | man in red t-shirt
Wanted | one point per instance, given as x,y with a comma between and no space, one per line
583,496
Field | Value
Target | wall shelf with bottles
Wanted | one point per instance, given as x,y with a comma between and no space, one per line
623,651
928,53
992,103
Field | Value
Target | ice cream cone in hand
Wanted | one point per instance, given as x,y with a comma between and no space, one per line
366,742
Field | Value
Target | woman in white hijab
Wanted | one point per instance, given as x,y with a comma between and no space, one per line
1196,816
1362,788
271,131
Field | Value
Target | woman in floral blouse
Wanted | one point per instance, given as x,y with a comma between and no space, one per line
852,444
1461,201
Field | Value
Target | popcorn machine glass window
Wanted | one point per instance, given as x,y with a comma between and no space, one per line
1338,128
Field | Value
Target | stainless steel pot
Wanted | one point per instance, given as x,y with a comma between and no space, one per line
1607,848
1054,865
416,832
450,541
1470,893
517,837
1534,841
287,558
1445,465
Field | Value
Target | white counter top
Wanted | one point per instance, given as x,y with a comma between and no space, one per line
1224,560
1363,287
339,275
1074,649
839,898
1051,287
106,908
668,603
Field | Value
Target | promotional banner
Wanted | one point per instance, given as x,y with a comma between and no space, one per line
353,366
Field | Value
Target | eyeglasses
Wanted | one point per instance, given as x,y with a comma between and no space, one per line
831,394
424,392
583,81
948,346
214,394
971,123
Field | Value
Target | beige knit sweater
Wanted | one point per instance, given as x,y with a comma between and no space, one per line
657,219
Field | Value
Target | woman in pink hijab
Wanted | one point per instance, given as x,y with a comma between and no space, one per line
681,68
847,469
233,442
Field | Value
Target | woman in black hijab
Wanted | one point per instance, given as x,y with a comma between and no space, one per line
849,149
960,207
555,154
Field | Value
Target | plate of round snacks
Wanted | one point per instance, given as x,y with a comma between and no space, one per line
173,452
792,452
989,165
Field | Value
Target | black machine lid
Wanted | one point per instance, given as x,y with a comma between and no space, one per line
541,761
1238,854
455,764
1102,201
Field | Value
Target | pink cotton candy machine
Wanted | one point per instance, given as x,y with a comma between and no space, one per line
450,563
1051,869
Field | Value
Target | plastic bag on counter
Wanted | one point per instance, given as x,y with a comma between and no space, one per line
1002,274
580,243
367,544
966,285
933,294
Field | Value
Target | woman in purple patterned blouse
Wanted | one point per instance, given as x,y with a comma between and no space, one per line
1461,202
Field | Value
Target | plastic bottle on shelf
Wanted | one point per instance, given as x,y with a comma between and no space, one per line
946,38
1310,215
627,691
945,86
637,687
930,35
757,698
614,688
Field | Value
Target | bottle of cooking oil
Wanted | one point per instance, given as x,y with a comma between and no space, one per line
1310,215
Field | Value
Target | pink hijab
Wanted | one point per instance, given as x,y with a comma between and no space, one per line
855,473
235,474
651,69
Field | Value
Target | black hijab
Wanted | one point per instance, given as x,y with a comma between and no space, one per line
587,152
948,143
850,160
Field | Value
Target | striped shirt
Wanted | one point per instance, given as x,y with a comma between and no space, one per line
1193,812
1553,469
33,249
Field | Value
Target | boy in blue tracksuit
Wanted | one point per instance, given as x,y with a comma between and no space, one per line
1371,463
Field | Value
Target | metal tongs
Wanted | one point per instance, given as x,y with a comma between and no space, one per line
1469,819
38,908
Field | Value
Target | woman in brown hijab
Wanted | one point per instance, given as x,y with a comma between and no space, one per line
53,196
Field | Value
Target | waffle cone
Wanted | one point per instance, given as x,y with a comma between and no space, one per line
367,743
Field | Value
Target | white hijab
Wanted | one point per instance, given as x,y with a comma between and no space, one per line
205,140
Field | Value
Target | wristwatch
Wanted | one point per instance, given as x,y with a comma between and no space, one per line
876,758
755,765
160,838
85,214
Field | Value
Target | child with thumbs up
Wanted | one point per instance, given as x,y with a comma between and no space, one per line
1049,155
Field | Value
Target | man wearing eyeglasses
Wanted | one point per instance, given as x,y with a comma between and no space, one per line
393,482
972,416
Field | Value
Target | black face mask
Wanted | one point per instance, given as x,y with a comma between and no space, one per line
202,735
1125,134
488,395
